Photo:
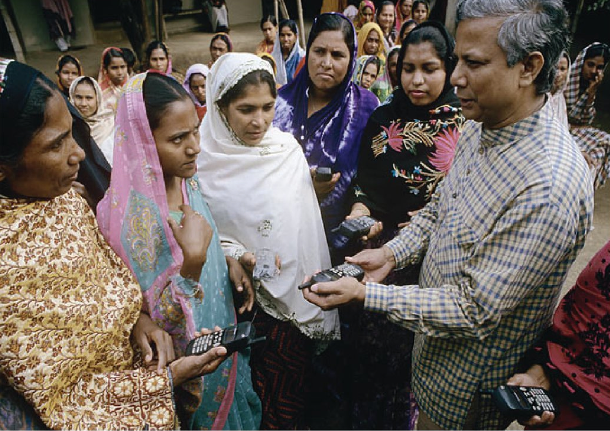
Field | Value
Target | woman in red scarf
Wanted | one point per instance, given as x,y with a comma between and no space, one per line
572,360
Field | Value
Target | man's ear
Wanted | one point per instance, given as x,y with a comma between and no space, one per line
3,172
532,65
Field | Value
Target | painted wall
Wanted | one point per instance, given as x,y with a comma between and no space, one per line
32,27
242,11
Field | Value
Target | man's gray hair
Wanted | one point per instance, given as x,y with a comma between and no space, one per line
530,25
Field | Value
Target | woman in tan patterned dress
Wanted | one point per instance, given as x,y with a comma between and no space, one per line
70,308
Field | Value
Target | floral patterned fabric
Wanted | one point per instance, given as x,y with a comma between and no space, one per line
406,151
68,307
574,351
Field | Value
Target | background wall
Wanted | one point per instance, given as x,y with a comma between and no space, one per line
33,30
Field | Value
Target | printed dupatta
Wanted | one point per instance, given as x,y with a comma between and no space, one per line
133,218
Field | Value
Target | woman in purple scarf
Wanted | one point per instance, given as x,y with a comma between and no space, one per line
327,113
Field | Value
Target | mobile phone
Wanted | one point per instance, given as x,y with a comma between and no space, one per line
323,174
265,268
233,338
356,227
335,273
522,402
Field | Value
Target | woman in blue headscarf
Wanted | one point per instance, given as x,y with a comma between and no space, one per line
327,113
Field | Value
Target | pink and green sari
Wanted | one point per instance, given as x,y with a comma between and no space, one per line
133,217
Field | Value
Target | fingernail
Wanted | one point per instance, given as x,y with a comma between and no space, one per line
314,288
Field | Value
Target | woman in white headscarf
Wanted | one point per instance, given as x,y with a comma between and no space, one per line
287,51
86,96
194,84
556,97
258,186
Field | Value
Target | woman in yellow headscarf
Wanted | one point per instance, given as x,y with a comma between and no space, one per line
370,42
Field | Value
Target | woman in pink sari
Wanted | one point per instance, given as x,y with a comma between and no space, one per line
155,218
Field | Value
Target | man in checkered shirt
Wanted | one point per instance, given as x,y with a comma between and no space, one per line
503,228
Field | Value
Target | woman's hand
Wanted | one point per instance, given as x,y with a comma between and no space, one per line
156,344
323,188
242,284
361,210
189,367
193,235
377,263
247,260
594,84
536,377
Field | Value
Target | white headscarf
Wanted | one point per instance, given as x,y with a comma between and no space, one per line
557,99
277,55
262,197
202,69
101,122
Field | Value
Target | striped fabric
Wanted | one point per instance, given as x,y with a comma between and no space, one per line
498,237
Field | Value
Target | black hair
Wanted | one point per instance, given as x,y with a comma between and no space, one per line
418,2
334,22
375,60
601,50
196,73
159,92
110,54
385,3
403,29
268,18
17,135
65,59
256,77
290,24
86,80
392,53
435,33
224,38
129,56
155,44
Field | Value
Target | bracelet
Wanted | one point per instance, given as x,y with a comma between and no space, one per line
171,378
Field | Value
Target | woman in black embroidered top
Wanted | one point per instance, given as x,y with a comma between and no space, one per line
408,144
406,149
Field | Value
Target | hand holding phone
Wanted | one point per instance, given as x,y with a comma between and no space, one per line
323,174
335,273
523,402
232,338
356,227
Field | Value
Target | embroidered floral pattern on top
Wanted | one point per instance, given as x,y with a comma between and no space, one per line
439,133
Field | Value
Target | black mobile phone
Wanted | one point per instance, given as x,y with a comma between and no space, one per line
522,402
335,273
233,338
323,174
356,227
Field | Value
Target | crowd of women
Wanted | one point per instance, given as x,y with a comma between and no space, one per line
204,174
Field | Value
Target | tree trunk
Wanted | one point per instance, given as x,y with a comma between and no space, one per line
577,16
